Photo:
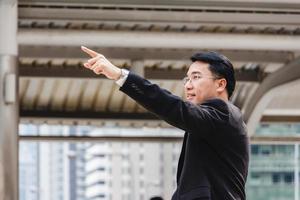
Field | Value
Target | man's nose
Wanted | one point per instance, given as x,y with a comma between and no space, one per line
188,85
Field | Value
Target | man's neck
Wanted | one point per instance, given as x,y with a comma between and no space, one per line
224,97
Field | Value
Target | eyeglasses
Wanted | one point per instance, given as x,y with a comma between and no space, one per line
195,77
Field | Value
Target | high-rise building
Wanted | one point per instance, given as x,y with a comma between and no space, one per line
61,166
131,170
272,172
28,166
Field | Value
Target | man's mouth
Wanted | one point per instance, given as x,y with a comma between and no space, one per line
190,96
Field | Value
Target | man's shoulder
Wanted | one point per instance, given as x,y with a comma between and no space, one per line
225,108
217,104
229,113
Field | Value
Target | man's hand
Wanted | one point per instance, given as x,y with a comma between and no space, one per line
100,65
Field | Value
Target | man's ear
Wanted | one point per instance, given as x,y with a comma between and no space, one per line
221,84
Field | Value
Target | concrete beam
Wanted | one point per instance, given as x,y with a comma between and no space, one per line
85,115
229,4
168,16
163,40
78,71
280,118
95,139
63,52
160,139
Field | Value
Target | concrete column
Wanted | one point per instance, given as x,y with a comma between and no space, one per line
8,101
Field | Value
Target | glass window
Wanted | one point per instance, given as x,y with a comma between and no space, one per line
288,178
94,170
254,149
276,178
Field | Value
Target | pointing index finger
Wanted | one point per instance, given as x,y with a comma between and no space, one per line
89,51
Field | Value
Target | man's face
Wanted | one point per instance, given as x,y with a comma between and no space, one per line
200,84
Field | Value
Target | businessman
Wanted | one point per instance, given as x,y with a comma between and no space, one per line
213,163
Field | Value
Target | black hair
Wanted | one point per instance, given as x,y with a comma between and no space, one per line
156,198
220,66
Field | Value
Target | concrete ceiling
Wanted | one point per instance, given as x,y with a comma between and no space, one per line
154,39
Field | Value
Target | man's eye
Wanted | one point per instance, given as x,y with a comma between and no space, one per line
196,77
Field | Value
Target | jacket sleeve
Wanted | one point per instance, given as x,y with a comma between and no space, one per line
172,109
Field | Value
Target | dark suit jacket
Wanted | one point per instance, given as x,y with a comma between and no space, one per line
213,163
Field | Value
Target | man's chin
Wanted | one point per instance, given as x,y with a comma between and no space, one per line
193,101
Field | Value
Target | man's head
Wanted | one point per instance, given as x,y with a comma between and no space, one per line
211,75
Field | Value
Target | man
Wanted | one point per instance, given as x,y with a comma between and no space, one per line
213,163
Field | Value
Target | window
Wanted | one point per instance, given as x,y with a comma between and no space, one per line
265,150
141,170
142,184
288,178
276,178
255,176
254,149
141,197
141,157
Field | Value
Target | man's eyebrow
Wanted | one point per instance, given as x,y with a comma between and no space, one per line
195,72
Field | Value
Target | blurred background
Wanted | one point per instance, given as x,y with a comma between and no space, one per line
66,134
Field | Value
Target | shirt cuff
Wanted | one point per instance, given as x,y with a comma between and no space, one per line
123,77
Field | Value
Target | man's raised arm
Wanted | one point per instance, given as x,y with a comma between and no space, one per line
161,102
